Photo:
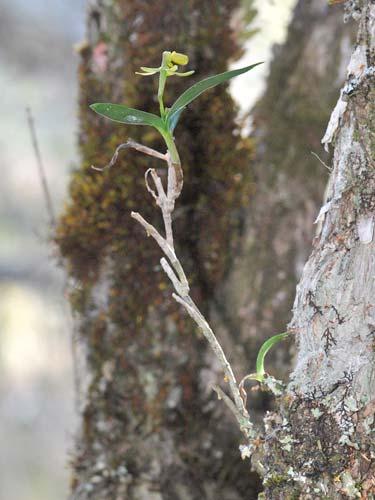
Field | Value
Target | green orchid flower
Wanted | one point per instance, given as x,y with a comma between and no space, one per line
169,67
170,63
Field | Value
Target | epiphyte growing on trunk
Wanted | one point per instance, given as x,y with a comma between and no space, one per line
165,198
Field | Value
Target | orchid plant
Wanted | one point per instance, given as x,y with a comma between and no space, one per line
168,119
165,198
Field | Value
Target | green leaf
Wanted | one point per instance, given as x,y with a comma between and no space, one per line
130,116
198,88
263,351
172,121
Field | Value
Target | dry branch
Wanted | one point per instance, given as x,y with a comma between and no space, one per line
175,272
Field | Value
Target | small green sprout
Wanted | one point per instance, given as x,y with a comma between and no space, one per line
260,373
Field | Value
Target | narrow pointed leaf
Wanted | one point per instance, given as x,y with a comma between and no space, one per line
260,371
198,88
172,121
130,116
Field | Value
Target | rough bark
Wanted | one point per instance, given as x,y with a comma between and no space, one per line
151,427
320,444
289,121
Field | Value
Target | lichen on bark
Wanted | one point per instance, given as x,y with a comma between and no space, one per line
320,441
288,182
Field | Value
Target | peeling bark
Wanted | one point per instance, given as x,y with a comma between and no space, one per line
289,121
321,442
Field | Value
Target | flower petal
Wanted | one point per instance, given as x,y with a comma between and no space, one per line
146,74
187,73
149,70
172,71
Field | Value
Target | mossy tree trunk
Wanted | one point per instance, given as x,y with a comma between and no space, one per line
150,426
321,439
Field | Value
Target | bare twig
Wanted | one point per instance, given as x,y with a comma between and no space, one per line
174,270
159,186
181,288
151,231
163,244
175,182
321,161
244,423
133,145
199,319
41,171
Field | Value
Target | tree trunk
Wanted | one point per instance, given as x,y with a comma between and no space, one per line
289,181
151,428
320,442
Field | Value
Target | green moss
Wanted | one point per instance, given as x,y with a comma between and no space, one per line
276,480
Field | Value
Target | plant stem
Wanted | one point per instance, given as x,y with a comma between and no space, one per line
162,80
171,148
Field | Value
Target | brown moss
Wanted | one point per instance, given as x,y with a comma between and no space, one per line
96,221
129,324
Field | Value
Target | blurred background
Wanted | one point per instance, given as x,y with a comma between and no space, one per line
38,70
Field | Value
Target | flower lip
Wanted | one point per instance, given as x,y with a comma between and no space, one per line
178,58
